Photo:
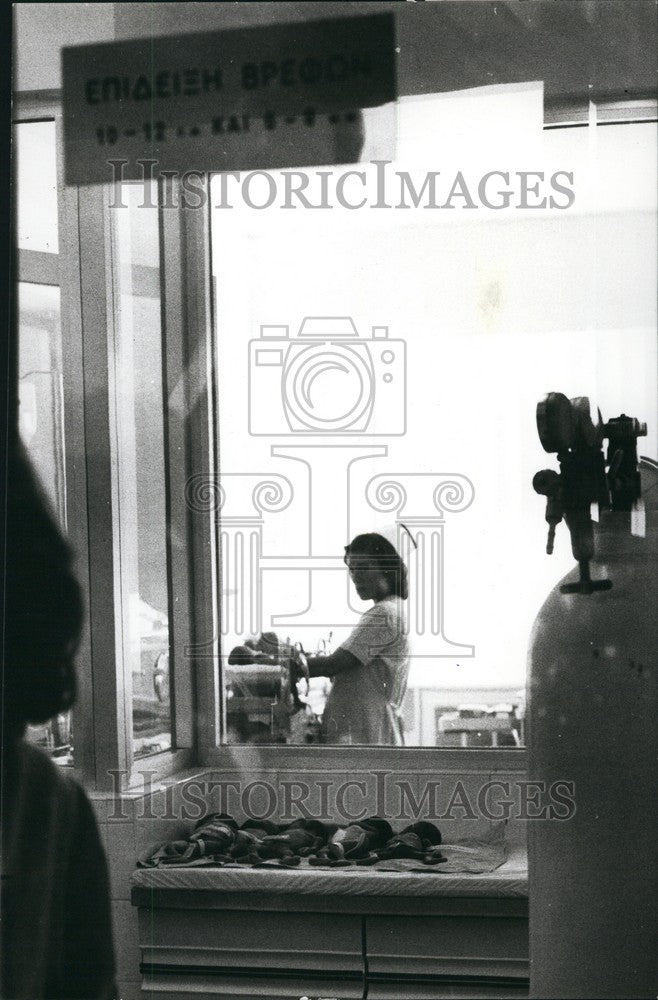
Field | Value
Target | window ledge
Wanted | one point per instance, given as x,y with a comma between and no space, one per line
510,880
347,758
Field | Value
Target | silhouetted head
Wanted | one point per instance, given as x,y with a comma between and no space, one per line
43,609
376,568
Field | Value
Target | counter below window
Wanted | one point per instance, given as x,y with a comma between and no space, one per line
286,933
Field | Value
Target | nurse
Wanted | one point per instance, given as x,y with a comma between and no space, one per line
369,670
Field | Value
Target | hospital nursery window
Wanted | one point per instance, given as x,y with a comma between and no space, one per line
342,368
378,363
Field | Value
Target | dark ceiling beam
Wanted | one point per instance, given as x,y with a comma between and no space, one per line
602,50
579,48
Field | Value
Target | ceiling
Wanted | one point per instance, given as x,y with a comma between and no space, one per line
579,48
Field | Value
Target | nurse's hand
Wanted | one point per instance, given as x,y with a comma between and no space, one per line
264,658
299,666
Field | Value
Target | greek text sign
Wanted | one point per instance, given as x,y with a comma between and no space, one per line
280,96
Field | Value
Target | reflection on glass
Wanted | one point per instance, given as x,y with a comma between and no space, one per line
41,426
141,469
35,166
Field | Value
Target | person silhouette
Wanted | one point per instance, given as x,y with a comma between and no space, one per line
369,670
56,921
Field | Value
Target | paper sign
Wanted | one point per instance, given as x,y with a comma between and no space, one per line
284,95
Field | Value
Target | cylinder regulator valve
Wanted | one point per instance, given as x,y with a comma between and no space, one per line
586,477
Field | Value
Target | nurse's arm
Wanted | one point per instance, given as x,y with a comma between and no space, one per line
335,663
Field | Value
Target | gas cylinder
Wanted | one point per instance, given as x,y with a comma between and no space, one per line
592,726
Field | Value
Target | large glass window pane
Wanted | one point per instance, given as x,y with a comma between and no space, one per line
35,165
41,420
41,426
140,457
481,310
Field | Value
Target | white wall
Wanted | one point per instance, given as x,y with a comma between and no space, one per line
496,310
42,30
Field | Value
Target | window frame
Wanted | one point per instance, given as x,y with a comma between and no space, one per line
59,270
103,758
103,754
